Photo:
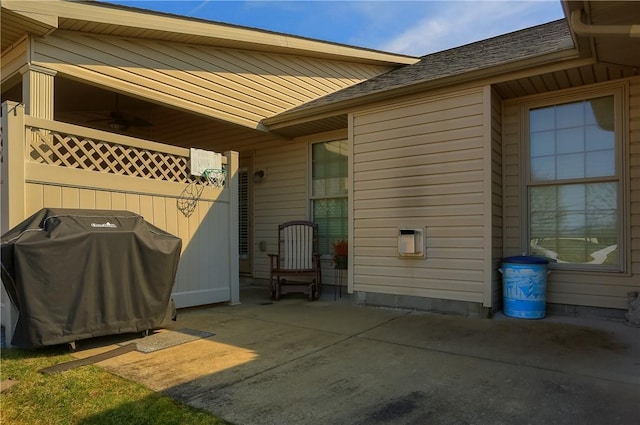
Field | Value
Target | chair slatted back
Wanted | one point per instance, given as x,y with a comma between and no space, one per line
298,240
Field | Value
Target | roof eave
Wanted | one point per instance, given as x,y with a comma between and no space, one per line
608,32
562,59
71,12
584,44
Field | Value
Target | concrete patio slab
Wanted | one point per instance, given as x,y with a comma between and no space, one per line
558,344
361,381
301,362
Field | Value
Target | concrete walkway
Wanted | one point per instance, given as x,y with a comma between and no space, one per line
330,362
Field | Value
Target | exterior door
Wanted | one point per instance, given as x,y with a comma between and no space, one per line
245,217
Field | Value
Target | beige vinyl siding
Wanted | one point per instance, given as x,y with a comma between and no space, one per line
634,174
578,288
497,191
419,164
512,199
12,60
236,86
281,196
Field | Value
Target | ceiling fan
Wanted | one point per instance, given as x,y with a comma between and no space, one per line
121,121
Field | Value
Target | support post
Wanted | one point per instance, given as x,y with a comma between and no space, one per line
38,91
13,165
232,186
12,187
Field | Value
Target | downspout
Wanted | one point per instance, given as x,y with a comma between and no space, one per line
583,29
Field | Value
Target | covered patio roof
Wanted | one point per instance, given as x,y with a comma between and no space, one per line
226,76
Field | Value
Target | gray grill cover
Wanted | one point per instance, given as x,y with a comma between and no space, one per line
76,274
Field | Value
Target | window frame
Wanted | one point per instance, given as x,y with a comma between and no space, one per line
313,197
620,106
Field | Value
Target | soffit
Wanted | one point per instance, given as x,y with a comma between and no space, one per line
619,50
616,50
16,25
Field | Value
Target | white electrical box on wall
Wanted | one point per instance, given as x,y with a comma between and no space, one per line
411,243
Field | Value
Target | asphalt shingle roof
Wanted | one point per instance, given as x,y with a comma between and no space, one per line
516,46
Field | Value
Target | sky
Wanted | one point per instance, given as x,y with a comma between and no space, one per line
413,28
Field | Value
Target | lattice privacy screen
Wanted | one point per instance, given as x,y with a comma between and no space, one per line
65,150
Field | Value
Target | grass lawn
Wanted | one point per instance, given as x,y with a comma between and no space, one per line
577,250
86,395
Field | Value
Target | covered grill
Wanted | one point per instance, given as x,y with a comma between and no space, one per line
76,274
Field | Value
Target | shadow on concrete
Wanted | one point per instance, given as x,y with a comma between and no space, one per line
331,361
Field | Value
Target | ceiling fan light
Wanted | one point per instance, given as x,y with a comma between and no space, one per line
117,125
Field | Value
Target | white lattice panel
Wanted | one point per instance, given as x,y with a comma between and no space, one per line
66,150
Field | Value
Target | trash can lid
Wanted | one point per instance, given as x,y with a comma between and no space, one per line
526,259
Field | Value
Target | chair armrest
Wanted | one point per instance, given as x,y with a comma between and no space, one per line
274,260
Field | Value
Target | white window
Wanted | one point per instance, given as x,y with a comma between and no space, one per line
329,172
574,182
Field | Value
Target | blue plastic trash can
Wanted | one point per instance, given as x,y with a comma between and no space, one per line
524,286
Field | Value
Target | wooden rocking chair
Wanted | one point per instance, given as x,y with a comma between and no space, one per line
297,257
